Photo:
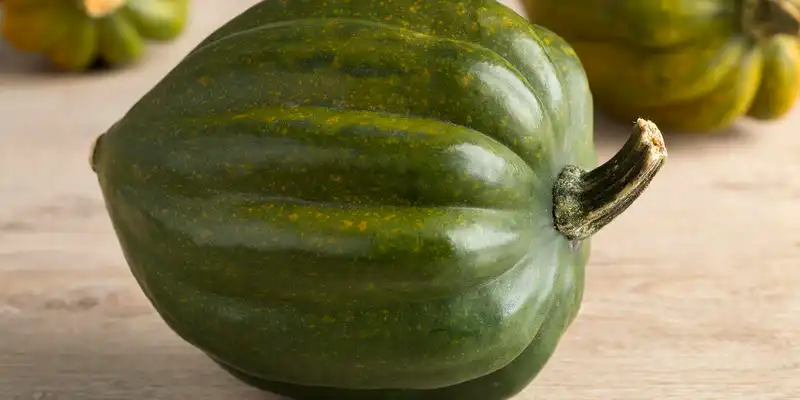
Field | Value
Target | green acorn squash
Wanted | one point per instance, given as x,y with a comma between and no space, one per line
687,65
354,199
75,34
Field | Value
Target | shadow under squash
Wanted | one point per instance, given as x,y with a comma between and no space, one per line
18,66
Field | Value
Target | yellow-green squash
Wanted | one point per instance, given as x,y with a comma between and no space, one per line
688,65
74,34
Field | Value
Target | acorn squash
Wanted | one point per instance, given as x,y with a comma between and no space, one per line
354,199
75,34
687,65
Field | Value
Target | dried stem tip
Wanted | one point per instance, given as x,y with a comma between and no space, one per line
586,201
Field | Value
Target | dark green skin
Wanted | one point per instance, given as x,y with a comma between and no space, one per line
359,207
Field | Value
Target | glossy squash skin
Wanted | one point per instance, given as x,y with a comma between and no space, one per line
74,34
353,199
687,65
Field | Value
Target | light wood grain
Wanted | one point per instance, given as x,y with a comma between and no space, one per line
692,293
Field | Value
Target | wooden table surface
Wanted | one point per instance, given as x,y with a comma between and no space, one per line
694,293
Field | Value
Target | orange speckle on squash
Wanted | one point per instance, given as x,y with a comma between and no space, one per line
205,80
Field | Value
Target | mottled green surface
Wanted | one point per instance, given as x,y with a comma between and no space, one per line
684,64
358,194
73,40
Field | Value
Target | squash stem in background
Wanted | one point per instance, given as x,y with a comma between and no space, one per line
585,201
101,8
766,18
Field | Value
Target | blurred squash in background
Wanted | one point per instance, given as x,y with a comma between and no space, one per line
688,65
75,34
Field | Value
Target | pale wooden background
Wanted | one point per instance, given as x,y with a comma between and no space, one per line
693,294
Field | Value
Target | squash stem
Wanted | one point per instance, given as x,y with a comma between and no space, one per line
586,201
766,18
101,8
